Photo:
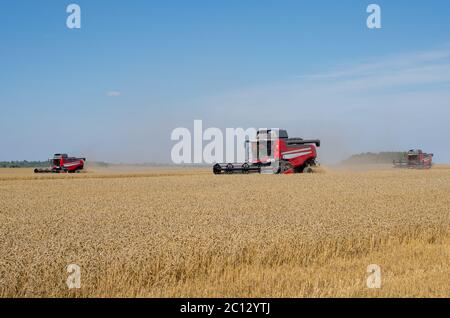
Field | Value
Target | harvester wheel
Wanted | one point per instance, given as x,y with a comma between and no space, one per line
308,169
284,166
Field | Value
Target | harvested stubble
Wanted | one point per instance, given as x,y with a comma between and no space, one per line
203,235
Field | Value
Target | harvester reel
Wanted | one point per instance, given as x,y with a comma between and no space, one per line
217,169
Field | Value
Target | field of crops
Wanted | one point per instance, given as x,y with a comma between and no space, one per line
190,233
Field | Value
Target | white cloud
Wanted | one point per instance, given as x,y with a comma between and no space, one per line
113,93
414,68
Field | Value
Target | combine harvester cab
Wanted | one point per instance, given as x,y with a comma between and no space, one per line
273,152
415,159
62,163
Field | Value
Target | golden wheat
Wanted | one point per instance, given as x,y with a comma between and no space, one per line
190,233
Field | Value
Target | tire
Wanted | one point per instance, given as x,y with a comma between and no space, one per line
284,166
308,169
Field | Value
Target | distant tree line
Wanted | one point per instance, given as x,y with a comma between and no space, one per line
374,158
23,164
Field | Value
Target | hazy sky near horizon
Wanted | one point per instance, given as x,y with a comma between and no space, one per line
116,88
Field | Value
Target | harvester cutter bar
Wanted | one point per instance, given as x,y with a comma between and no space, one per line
236,168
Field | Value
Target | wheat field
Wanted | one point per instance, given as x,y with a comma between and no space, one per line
188,233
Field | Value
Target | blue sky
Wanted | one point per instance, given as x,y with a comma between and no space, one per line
115,89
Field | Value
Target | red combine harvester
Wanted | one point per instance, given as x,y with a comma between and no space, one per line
415,159
274,153
61,163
